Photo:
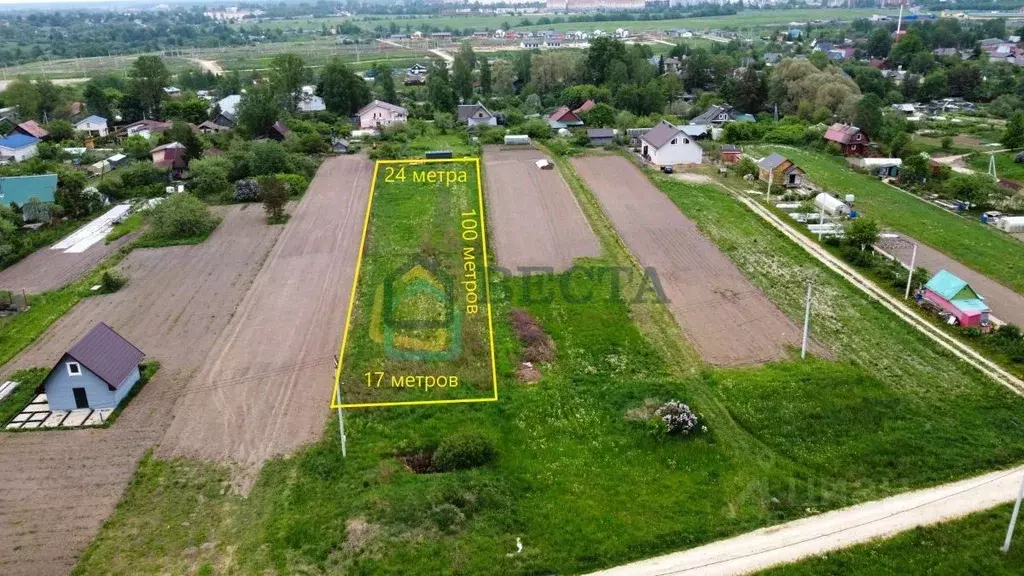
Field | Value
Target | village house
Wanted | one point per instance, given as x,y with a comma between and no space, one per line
716,115
17,147
852,141
31,128
779,170
667,145
170,156
476,115
209,127
93,125
96,373
585,107
18,190
278,131
563,118
146,128
730,153
309,101
956,297
378,114
600,136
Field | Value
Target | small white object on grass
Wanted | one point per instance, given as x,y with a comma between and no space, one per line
96,287
519,547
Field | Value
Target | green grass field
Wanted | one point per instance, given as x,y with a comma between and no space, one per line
583,486
982,248
968,545
745,19
1005,166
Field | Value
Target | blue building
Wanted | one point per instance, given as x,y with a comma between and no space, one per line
21,189
96,373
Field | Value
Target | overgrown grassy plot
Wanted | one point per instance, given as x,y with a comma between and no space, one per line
981,247
969,545
896,410
421,301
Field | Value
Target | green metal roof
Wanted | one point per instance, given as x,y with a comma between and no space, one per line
946,285
20,189
971,304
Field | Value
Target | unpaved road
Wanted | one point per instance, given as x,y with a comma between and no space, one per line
1006,304
211,66
834,530
533,217
47,269
57,487
727,318
265,388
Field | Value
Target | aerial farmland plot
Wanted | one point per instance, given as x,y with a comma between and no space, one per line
537,223
419,328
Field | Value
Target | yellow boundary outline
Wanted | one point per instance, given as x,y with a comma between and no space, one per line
336,392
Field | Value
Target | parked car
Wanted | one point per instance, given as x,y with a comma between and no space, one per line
667,169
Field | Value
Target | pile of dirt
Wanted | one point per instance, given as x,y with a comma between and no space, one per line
359,532
527,372
538,347
419,463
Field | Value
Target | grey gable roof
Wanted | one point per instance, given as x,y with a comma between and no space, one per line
600,133
660,134
106,354
711,114
466,111
771,162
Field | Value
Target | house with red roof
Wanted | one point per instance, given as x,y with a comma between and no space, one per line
564,117
32,128
170,156
851,140
586,106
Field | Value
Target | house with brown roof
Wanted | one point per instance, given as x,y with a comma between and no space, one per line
852,141
585,107
32,128
778,169
170,156
96,373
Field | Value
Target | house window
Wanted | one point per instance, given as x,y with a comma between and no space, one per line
675,140
686,140
74,369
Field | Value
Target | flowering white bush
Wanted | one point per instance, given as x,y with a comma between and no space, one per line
678,418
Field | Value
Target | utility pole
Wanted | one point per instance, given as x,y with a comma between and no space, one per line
910,276
807,321
768,198
1013,518
341,417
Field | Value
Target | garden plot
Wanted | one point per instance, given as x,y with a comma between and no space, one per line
177,301
725,316
80,240
535,220
264,388
46,269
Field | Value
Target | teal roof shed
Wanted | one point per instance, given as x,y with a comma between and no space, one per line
20,189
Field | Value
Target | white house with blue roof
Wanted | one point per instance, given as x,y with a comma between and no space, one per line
94,125
17,147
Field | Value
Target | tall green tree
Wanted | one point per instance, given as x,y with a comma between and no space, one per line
523,65
462,72
182,133
384,80
96,99
288,72
148,77
879,43
342,90
24,95
504,78
440,92
258,110
1013,136
486,83
867,115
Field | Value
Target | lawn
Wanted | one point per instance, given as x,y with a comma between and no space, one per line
583,486
744,19
978,246
969,545
1005,166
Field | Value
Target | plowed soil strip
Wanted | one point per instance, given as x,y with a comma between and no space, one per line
727,318
57,487
47,269
265,387
533,217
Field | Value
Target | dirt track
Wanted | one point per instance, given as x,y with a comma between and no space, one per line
47,269
533,218
265,388
56,488
727,318
1006,304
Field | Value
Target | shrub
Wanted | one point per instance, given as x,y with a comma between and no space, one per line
247,190
295,183
386,151
448,517
182,216
112,281
677,418
463,451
